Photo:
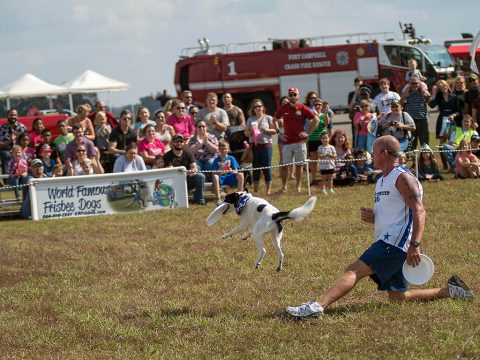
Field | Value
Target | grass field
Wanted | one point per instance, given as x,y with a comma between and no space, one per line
164,285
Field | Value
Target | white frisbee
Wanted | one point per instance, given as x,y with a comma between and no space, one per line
217,213
421,273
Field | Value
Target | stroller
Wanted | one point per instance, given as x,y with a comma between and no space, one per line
238,144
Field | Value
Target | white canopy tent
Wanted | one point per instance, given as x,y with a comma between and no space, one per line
93,82
29,85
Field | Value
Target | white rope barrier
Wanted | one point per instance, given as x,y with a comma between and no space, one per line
415,153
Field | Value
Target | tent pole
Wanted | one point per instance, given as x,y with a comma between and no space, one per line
70,100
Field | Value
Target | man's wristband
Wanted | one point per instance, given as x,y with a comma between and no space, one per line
414,243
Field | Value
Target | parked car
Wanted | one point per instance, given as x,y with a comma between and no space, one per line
49,121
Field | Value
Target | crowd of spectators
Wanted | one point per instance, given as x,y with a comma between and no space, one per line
95,142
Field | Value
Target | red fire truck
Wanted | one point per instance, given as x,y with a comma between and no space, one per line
267,69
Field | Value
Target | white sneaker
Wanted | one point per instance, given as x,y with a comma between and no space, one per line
311,308
458,289
324,192
331,191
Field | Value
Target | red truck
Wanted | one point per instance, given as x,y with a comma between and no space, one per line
267,69
49,121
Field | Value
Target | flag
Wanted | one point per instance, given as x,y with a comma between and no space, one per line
473,49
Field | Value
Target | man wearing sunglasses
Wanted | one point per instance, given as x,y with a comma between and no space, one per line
415,101
177,156
298,122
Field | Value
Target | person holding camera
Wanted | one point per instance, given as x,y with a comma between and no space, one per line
397,123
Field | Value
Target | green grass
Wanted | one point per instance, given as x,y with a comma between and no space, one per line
164,285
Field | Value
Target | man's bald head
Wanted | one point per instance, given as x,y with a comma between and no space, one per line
389,143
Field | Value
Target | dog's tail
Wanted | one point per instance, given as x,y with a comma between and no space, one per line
297,214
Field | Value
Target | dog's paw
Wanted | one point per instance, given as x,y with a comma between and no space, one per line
225,236
245,237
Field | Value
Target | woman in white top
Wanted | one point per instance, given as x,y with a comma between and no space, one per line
163,131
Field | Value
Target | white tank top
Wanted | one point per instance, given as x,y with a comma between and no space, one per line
393,217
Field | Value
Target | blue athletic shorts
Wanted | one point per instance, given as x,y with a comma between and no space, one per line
228,179
387,261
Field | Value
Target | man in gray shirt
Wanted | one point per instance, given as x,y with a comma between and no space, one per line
215,117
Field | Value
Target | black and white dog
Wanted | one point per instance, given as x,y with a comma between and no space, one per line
262,217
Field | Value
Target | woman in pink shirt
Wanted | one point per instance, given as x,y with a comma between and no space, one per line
36,134
181,123
360,122
150,146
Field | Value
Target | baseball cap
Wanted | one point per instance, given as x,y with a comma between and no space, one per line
178,137
36,163
395,102
472,76
293,90
475,137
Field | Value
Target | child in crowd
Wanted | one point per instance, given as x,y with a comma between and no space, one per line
342,146
47,139
36,133
102,132
28,152
414,72
86,165
402,159
327,155
64,138
57,170
365,170
159,162
347,175
48,162
227,170
17,171
427,165
467,165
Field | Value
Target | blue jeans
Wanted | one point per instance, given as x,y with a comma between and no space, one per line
262,156
450,156
197,182
5,157
205,165
403,144
18,181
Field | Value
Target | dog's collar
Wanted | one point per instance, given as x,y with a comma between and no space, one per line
241,204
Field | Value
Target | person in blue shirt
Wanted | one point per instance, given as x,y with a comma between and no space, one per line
226,167
347,174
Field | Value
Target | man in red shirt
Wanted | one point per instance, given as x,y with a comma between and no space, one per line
100,106
298,122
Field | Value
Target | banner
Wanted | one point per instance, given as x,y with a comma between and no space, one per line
53,198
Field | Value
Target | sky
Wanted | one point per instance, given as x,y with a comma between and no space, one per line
139,41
